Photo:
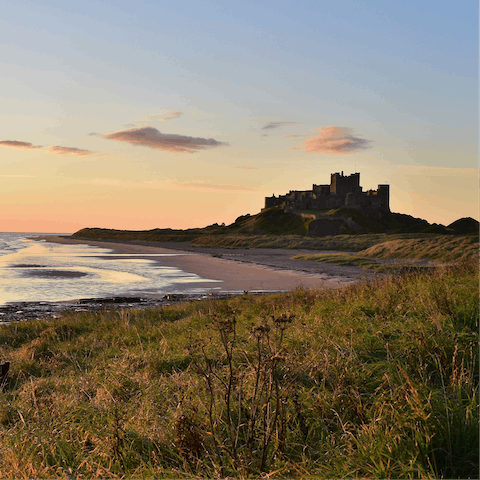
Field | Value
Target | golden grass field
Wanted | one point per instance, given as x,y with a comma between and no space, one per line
377,380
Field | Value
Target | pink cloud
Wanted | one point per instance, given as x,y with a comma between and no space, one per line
21,145
79,152
335,141
55,149
162,117
152,138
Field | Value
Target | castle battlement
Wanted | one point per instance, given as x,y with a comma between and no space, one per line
343,191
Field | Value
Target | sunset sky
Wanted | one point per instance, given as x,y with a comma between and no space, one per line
152,114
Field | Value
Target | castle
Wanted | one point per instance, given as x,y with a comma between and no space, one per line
343,191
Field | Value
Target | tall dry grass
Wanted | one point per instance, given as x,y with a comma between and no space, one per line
378,380
354,243
442,247
397,255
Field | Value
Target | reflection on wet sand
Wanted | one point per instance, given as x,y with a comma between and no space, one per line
55,273
35,271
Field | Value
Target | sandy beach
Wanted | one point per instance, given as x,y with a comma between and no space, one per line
236,270
212,272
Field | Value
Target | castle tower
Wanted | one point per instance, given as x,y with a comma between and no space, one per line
383,193
341,185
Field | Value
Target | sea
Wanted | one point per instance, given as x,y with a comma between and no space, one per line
40,271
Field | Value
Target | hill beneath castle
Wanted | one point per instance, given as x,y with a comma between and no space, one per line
275,221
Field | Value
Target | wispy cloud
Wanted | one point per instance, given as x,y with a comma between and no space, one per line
79,152
245,168
274,125
161,117
334,141
152,138
20,145
55,149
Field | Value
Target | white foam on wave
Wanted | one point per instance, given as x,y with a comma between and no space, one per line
28,273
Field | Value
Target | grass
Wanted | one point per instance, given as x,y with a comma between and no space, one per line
377,380
346,259
274,228
438,248
339,259
353,243
271,222
264,228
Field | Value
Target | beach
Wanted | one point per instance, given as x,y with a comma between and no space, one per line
237,270
201,273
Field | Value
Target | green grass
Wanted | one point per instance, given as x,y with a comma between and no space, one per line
438,248
353,243
274,222
339,259
274,228
366,223
345,259
269,222
376,380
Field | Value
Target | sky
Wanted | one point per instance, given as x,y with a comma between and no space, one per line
151,114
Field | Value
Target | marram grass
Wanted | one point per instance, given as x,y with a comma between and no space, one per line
353,243
376,380
394,254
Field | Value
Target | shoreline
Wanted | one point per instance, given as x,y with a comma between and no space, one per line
24,311
235,271
238,269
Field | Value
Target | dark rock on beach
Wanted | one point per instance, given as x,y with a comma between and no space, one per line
22,311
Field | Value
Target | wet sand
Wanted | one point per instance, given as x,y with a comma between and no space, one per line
237,270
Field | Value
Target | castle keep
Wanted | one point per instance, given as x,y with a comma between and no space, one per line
343,191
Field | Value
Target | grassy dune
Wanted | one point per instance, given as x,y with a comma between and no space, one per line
439,248
275,228
340,259
353,243
376,380
244,240
442,248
